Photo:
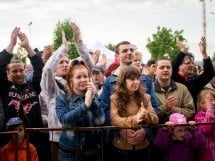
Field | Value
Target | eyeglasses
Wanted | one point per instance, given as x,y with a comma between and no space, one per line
126,50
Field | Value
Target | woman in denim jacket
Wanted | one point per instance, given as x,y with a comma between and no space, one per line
78,107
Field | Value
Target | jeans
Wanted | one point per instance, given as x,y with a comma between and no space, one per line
66,155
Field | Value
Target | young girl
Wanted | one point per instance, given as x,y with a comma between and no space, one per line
137,60
206,113
130,107
78,107
18,142
178,143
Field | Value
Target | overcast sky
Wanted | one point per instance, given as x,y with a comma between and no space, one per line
108,21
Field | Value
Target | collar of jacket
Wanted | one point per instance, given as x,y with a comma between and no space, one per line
60,80
75,97
113,78
158,88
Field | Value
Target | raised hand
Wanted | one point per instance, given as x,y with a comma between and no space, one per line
76,32
64,41
47,52
23,40
96,56
104,61
14,34
181,45
13,39
202,47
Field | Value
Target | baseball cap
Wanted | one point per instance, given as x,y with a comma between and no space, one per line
177,118
150,62
98,69
12,122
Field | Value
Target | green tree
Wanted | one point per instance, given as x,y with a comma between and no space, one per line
110,46
21,55
65,26
163,43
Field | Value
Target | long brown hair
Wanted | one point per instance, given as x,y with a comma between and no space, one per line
75,64
121,90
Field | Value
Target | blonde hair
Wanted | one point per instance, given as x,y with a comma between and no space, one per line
75,64
202,95
138,55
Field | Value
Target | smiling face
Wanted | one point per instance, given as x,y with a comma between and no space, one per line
16,73
126,54
79,79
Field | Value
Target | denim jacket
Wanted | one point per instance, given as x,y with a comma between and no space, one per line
107,92
73,112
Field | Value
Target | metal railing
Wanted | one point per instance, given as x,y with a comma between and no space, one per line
28,131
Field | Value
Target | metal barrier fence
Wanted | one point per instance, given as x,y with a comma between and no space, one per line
102,129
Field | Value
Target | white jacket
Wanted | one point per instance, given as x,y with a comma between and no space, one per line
49,92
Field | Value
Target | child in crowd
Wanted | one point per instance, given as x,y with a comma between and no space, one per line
206,113
79,107
18,146
130,107
177,141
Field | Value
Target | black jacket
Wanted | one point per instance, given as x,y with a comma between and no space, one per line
194,83
21,100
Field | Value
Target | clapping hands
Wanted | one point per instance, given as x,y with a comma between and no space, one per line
141,114
76,32
90,93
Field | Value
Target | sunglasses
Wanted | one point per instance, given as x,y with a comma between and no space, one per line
77,62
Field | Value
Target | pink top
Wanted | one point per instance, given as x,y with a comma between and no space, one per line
208,130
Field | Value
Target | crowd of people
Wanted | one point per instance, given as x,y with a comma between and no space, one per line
164,110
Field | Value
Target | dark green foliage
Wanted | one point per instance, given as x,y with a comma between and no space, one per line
110,46
65,26
163,43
